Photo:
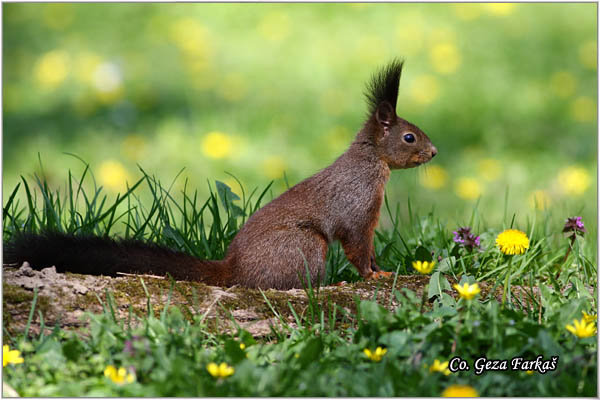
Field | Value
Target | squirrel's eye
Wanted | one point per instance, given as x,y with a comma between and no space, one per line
409,138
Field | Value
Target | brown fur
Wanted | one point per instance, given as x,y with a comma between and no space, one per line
341,202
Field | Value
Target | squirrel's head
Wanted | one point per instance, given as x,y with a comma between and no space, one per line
396,141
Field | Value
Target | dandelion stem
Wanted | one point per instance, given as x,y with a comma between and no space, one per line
506,280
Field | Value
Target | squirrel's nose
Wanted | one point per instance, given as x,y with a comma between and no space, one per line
433,151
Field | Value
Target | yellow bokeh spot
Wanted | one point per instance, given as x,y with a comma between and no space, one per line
133,147
274,26
273,167
410,38
216,145
583,109
58,16
52,68
234,186
433,177
425,89
441,35
233,87
467,11
113,175
445,58
574,181
370,48
460,391
191,37
468,188
588,54
500,9
563,83
111,96
85,66
338,138
539,200
489,169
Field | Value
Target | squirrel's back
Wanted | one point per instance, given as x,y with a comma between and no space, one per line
286,241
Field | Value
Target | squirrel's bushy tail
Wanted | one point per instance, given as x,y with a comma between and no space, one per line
104,256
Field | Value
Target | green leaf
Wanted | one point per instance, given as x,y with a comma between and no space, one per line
227,198
233,350
437,283
72,349
422,254
446,264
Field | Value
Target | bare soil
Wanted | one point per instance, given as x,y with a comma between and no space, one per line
65,298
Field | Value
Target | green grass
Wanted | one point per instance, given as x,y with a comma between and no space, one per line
322,355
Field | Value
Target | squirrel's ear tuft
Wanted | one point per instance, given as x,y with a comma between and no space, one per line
383,86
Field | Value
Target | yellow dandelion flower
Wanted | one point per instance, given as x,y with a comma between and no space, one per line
489,169
500,9
220,371
118,376
440,367
376,355
574,181
587,54
10,356
273,167
460,391
274,26
433,177
589,318
467,291
425,89
467,11
242,346
424,267
52,68
113,175
563,83
512,241
530,372
468,188
216,145
583,109
539,200
445,58
582,329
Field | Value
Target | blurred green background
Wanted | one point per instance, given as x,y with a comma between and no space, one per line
507,93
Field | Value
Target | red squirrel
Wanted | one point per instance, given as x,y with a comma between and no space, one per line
340,202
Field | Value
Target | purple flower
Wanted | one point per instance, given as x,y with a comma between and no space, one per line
457,238
464,237
574,226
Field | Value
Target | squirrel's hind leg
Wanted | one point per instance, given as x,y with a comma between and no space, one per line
279,259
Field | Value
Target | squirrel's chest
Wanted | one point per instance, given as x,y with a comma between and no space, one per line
357,202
